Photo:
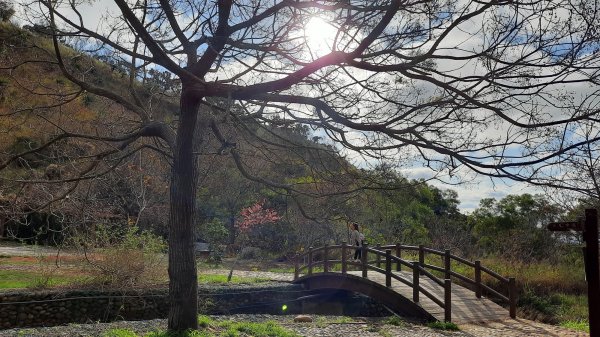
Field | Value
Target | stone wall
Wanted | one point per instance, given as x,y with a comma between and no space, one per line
25,309
47,308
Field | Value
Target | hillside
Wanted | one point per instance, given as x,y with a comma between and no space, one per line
132,187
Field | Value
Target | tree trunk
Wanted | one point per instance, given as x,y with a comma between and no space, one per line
183,284
231,229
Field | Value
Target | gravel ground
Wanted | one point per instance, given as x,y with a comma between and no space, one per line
323,326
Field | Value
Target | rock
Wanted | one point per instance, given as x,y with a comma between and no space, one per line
303,319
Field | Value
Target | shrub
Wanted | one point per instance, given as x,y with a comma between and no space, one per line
216,234
443,326
215,257
395,321
579,325
126,257
250,253
272,236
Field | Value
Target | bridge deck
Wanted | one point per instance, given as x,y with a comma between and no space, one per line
466,307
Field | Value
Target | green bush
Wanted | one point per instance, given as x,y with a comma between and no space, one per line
577,325
395,321
544,308
216,234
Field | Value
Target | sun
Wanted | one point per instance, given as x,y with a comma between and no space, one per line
320,35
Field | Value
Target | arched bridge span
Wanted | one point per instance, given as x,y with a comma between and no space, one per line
418,288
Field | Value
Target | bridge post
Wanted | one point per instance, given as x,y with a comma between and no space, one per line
378,257
344,266
364,261
325,259
448,300
512,297
478,279
421,257
310,260
399,255
447,265
415,266
388,268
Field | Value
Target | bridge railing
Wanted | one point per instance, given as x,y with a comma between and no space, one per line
383,255
507,284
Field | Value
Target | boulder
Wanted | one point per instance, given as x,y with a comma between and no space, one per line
303,319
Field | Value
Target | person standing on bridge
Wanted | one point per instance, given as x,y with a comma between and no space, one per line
357,238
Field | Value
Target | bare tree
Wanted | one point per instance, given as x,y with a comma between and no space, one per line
490,87
579,172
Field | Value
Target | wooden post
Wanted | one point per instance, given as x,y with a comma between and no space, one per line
378,257
296,267
512,297
421,257
325,259
310,260
447,265
388,268
448,300
478,279
415,266
344,265
364,261
592,270
399,255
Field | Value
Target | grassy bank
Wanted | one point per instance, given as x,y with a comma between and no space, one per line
16,279
210,328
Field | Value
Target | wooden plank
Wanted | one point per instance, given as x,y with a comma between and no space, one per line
466,307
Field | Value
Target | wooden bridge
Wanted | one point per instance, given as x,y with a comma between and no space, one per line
384,275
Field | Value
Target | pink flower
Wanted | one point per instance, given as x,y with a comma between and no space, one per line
257,214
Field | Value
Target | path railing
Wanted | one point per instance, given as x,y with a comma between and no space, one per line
391,255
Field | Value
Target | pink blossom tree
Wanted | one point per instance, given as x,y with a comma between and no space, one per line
257,214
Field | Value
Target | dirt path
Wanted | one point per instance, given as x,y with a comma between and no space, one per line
519,328
282,277
15,249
